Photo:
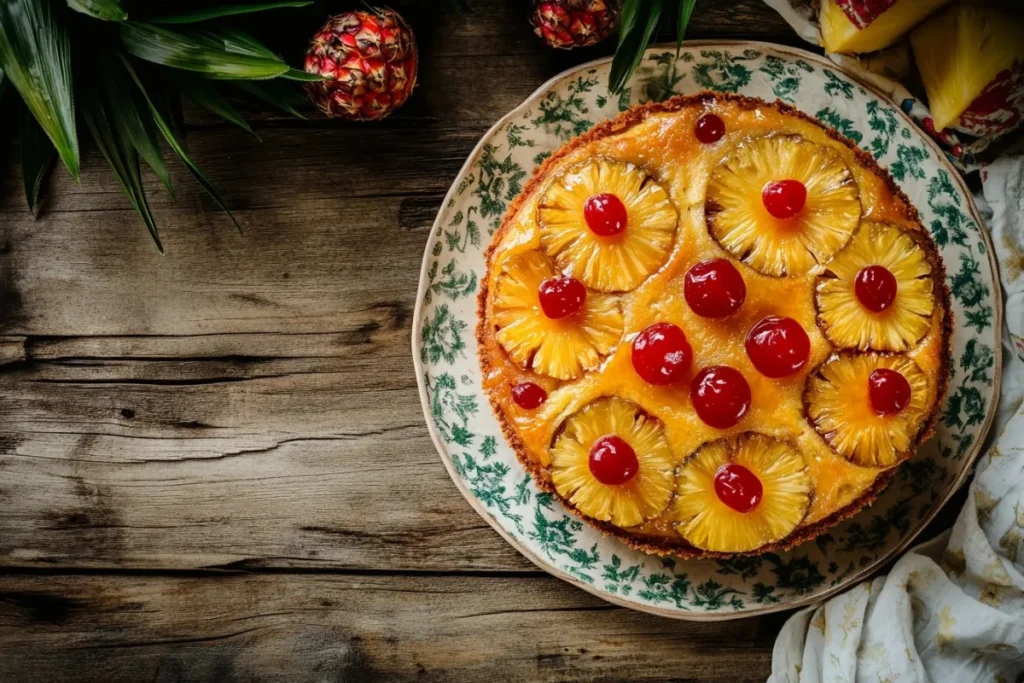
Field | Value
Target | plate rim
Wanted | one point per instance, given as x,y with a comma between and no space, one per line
848,581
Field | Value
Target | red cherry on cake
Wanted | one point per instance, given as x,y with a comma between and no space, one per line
876,288
528,395
778,346
561,296
738,487
605,214
720,395
709,129
784,198
889,391
613,461
661,354
714,288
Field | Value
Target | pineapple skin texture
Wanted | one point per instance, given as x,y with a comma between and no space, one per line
840,34
960,53
659,137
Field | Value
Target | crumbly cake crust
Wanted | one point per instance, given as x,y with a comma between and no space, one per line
637,114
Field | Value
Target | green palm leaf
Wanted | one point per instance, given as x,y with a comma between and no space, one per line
108,10
284,96
206,96
37,157
683,20
640,18
161,123
3,83
107,128
223,11
36,57
216,54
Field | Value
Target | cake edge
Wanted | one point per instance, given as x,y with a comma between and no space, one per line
680,548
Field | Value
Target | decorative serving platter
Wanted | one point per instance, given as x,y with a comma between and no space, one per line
468,436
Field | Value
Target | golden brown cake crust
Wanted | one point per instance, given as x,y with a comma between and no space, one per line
635,115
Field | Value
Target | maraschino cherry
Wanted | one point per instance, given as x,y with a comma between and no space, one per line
709,129
778,346
613,461
605,214
661,354
876,288
784,198
738,487
528,395
889,391
720,395
714,288
561,296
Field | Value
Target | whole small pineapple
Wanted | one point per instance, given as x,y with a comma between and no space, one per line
613,462
738,494
782,204
369,60
868,407
550,323
565,24
877,292
607,223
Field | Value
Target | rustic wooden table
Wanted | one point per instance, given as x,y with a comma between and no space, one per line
213,463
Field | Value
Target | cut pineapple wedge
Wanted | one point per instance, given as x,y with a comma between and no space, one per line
850,325
562,348
608,264
860,26
839,406
966,53
645,496
706,522
739,221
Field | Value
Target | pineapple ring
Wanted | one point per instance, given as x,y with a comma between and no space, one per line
709,524
607,264
564,348
740,223
643,497
839,407
847,323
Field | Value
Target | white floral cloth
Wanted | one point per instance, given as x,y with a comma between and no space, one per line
951,610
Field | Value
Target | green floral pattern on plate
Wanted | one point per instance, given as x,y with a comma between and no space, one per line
469,437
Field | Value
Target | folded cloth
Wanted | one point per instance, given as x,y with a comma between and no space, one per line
952,609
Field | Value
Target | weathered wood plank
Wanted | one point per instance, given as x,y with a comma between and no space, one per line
354,628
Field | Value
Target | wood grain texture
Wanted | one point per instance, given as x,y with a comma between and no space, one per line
354,629
247,402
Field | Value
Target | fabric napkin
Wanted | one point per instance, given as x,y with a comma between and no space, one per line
951,610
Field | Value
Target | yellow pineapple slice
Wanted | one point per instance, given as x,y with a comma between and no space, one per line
739,219
564,348
847,321
971,61
611,262
735,495
869,25
645,494
840,406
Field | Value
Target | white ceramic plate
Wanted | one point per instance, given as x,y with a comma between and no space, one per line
468,436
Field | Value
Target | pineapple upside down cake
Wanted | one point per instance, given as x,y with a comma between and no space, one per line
713,326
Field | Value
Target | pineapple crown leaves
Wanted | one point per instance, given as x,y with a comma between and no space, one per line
127,75
637,25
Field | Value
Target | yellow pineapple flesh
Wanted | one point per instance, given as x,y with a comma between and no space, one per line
562,348
708,523
839,406
739,221
645,496
869,25
615,263
847,322
971,61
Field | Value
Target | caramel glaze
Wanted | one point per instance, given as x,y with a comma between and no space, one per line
658,137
